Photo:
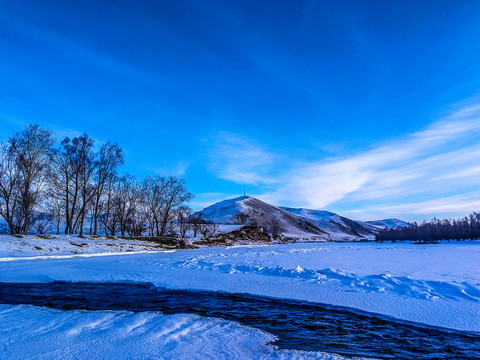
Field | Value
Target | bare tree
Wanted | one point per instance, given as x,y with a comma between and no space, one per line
64,180
73,167
107,214
61,178
175,194
80,188
136,224
32,150
10,197
162,196
53,205
183,213
127,200
195,222
275,227
208,229
85,165
152,191
42,222
110,157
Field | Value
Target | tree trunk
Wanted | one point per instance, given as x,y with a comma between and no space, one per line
95,215
82,219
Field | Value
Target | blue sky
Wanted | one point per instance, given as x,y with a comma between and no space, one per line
366,108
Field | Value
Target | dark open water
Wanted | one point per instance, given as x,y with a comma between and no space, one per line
299,326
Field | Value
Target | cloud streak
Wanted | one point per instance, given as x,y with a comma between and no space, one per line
427,163
240,160
434,170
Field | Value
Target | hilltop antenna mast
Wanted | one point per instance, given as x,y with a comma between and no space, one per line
244,192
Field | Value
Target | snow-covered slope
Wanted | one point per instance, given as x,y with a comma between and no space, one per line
301,223
224,212
248,210
338,227
294,222
390,223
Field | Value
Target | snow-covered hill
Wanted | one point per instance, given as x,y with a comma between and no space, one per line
390,223
299,223
338,227
248,210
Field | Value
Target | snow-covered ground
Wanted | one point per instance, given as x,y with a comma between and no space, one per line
432,284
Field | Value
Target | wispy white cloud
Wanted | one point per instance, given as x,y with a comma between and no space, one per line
463,204
62,132
434,161
425,172
238,159
451,206
177,169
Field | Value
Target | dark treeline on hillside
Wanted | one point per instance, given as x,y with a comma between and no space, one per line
74,187
467,228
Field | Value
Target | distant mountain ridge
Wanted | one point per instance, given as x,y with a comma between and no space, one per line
292,222
391,223
335,225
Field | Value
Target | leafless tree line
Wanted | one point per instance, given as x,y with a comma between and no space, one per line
466,228
75,187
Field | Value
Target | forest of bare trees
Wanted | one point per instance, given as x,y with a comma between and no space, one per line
467,228
75,187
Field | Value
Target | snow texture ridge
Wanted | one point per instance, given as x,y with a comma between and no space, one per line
41,333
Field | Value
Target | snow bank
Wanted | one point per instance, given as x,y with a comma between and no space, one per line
31,245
